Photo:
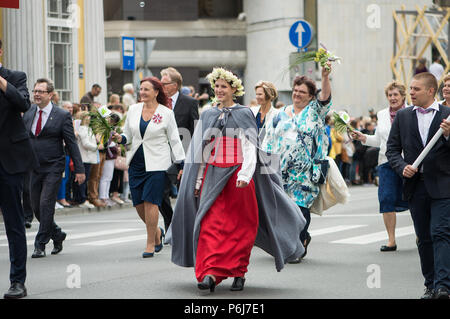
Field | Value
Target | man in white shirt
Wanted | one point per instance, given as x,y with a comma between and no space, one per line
437,69
427,188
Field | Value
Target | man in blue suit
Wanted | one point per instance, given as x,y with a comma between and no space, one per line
426,188
16,159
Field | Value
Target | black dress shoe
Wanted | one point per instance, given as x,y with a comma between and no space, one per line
57,245
308,240
441,293
38,253
295,261
388,248
207,283
238,284
429,294
16,291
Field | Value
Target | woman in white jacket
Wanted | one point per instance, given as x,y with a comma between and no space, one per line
152,131
266,93
390,184
89,154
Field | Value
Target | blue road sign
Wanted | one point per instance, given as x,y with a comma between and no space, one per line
300,34
128,54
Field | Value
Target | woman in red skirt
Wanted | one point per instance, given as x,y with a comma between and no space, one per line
228,229
225,204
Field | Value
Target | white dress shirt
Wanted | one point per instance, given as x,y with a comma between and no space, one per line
379,139
249,158
45,115
175,99
424,120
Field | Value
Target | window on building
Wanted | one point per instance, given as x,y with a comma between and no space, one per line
60,46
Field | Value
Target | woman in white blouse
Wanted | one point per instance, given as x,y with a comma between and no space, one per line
266,92
390,184
151,129
88,146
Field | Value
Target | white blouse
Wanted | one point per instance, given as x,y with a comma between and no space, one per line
248,166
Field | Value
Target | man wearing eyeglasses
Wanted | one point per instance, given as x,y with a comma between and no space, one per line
51,129
16,159
185,109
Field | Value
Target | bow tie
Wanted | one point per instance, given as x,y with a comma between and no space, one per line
424,111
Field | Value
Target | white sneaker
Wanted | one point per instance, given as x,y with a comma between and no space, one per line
110,202
86,204
118,200
58,206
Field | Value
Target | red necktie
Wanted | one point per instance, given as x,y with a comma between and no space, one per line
170,103
39,124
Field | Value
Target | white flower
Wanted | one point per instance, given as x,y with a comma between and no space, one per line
344,116
233,80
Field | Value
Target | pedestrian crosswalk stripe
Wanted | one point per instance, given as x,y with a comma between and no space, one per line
375,237
90,234
28,234
334,229
114,241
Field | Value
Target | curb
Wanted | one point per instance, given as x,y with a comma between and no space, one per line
80,210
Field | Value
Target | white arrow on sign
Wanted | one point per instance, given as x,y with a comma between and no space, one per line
300,30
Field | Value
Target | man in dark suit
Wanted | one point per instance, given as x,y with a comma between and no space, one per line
426,188
16,159
185,109
50,127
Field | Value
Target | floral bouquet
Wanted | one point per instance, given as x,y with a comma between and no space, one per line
322,56
105,126
341,122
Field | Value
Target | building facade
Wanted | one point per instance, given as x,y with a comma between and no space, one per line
78,43
62,40
251,37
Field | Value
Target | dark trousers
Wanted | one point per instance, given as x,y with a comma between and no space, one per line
44,190
166,207
12,211
117,182
431,219
80,191
307,214
26,200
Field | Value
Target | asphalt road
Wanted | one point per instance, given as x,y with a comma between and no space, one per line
102,259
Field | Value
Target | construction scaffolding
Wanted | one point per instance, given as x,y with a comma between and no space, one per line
417,34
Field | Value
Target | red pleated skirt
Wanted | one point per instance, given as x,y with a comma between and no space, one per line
229,228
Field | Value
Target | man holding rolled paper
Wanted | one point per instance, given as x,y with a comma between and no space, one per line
418,148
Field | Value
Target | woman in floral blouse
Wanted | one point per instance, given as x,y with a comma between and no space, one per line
298,135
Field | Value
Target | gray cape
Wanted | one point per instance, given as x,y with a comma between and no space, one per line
280,219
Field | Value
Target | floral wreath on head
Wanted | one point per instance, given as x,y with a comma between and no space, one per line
233,80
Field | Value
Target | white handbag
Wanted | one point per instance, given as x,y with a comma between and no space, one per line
332,192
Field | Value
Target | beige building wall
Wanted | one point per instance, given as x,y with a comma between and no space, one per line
349,28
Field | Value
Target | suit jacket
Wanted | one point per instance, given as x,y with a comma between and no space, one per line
405,137
161,141
16,153
49,146
186,112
